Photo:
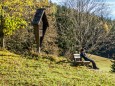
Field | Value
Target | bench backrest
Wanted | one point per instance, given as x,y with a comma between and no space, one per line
76,55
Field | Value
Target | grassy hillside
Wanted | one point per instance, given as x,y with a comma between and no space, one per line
16,70
103,63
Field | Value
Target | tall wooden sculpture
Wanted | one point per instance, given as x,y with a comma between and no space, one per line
40,24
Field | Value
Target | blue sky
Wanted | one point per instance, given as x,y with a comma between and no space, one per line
111,4
112,7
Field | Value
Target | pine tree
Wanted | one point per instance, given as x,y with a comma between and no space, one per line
113,67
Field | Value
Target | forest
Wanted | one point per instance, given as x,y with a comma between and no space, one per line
69,29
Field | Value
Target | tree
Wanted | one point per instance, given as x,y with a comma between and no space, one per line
107,48
82,24
22,41
113,66
17,15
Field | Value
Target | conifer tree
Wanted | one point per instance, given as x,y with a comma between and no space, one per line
113,65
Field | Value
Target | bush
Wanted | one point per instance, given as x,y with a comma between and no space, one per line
113,66
21,42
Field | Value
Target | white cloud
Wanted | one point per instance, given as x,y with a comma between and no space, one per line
55,1
110,3
113,12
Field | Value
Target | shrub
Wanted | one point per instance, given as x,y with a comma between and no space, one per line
113,66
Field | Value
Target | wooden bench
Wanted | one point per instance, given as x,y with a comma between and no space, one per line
86,63
77,57
77,60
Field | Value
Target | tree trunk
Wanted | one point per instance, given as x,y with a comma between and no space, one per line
3,42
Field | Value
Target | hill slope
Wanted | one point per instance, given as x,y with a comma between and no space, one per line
16,70
103,63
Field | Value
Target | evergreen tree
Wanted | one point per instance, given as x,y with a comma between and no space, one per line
113,67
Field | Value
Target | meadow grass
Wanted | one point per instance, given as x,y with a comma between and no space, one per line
16,70
103,63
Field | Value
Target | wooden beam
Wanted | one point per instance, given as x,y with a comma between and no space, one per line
37,37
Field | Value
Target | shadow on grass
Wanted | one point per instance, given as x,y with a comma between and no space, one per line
63,61
9,55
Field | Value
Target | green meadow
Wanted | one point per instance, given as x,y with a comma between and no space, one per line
49,70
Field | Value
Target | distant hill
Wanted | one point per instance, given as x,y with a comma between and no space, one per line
16,70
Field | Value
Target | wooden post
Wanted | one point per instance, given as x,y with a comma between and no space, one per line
37,37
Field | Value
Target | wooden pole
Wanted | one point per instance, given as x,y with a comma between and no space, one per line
37,37
39,48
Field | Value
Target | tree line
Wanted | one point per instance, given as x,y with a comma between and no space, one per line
73,25
85,24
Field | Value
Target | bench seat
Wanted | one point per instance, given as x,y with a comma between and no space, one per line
83,62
